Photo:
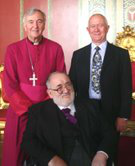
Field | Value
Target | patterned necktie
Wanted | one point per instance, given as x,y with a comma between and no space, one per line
68,116
96,70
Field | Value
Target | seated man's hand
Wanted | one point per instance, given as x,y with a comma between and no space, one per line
99,160
121,124
57,161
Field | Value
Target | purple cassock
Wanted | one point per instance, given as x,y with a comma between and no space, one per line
27,67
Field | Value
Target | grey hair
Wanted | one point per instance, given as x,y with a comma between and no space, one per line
51,75
31,11
98,14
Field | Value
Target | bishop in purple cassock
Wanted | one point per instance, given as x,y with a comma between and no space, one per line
27,66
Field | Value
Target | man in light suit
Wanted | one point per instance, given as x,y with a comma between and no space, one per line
109,85
52,140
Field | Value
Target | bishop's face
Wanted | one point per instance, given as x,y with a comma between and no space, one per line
34,26
61,90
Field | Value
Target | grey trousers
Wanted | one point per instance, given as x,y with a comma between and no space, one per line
79,156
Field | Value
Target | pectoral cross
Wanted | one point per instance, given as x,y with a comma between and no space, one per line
33,79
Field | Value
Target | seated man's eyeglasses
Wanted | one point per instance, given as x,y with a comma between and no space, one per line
61,87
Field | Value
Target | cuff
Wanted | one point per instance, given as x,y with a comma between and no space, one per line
103,153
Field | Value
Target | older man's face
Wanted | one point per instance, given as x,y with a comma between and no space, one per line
61,90
97,29
34,26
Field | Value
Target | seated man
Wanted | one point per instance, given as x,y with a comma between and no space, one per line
55,137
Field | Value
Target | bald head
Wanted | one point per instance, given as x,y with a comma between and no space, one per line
100,16
54,75
98,28
60,89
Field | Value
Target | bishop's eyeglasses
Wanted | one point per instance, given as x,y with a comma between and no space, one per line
61,87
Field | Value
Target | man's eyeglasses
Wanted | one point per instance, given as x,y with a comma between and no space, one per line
60,89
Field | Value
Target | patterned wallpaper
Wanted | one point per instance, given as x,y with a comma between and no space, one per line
129,12
95,6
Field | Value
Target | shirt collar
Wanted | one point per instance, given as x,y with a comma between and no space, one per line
102,46
71,107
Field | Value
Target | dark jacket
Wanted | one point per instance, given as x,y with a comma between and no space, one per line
42,138
115,80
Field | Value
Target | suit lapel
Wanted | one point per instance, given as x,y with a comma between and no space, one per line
86,61
108,57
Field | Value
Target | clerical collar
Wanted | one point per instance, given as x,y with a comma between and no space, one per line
71,106
34,43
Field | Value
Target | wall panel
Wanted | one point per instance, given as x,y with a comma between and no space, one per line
9,24
64,25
